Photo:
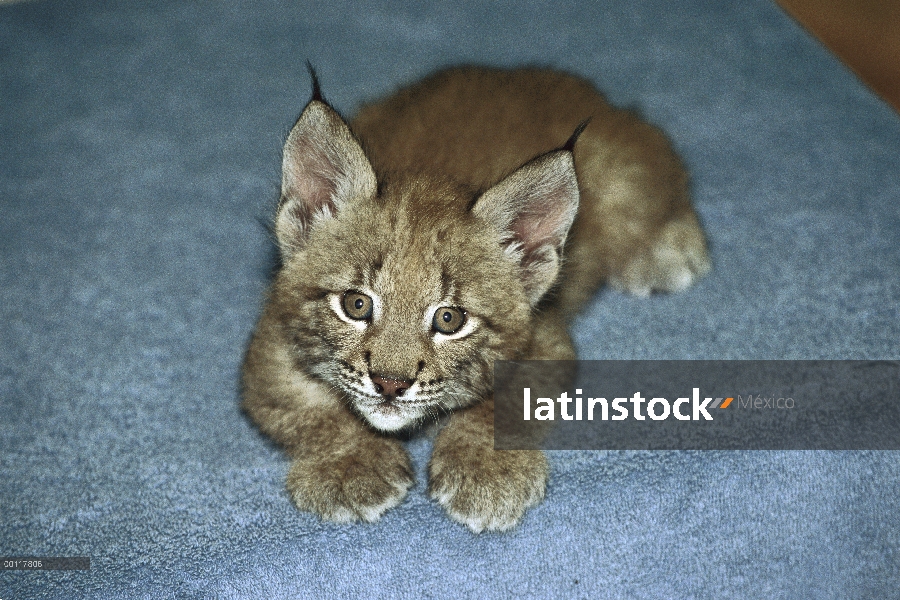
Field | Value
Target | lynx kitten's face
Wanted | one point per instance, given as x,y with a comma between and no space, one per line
404,311
401,292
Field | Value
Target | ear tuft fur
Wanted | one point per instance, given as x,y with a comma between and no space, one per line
316,89
570,143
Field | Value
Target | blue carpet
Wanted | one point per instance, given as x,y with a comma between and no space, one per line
139,146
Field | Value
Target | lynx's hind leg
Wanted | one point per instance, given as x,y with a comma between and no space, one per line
673,261
636,229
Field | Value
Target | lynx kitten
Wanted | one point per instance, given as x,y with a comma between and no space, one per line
444,228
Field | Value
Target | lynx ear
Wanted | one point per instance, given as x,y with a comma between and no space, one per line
323,168
533,209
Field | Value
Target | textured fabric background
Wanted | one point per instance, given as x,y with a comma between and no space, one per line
140,146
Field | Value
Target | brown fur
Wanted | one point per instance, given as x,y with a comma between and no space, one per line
635,227
442,203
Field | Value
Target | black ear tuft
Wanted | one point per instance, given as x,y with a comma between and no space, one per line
570,143
316,90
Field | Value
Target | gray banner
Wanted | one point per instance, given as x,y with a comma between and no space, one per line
697,405
45,563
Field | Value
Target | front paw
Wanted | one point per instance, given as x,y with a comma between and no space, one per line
358,481
483,488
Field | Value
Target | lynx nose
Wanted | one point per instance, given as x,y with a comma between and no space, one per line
390,387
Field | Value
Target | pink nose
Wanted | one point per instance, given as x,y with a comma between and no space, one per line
390,387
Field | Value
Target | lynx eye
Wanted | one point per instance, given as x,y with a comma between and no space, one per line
448,320
357,306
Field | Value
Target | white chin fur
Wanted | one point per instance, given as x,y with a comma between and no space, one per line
392,420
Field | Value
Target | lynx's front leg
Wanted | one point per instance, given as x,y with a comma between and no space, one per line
478,486
342,470
345,472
